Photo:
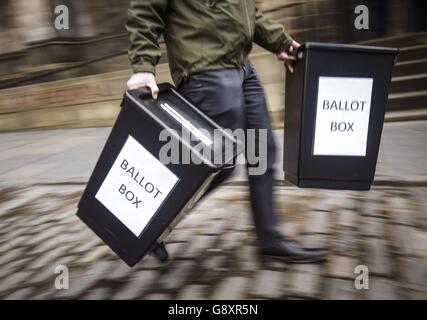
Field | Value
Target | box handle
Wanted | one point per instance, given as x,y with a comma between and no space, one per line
144,93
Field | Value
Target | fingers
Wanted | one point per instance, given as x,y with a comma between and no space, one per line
290,67
154,89
144,80
289,59
295,44
285,57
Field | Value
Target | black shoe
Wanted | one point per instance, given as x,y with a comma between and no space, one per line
291,252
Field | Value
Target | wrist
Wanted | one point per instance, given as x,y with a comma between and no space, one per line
144,68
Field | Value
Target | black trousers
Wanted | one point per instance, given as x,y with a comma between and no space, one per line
234,98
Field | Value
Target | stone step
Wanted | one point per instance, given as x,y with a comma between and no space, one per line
416,82
412,53
411,67
406,115
404,40
407,100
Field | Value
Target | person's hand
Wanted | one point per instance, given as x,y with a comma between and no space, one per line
144,79
289,60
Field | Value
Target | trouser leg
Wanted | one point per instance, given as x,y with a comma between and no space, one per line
235,99
260,172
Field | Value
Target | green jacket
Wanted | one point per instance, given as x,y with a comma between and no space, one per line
199,34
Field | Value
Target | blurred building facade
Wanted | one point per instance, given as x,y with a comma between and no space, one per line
31,46
33,51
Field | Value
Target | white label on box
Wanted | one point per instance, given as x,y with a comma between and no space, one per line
136,186
342,118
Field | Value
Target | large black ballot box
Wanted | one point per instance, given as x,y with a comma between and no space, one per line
335,104
159,159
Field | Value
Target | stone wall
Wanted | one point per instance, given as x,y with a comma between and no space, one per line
41,66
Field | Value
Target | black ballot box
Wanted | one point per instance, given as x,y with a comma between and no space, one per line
139,188
335,104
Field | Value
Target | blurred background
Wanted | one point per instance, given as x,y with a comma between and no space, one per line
33,51
60,92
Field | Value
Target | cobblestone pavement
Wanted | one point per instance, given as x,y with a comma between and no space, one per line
213,252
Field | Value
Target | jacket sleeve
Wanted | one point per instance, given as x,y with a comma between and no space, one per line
270,35
145,25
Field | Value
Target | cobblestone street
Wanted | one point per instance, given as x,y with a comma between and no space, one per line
213,252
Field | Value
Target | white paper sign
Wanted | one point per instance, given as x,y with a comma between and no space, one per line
342,119
136,186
